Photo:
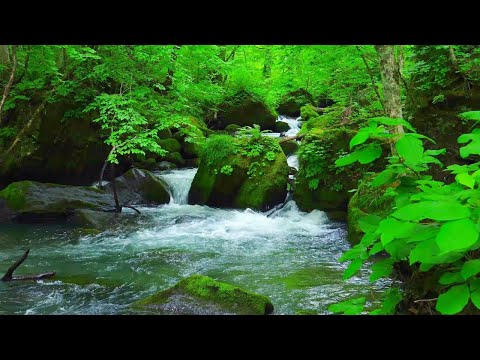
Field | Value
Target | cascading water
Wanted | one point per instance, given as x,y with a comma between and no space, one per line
179,182
294,124
286,254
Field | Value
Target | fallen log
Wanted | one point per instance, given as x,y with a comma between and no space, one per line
9,274
288,138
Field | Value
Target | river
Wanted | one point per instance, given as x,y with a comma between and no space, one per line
289,255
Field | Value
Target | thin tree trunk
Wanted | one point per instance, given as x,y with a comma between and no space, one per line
10,81
453,59
118,207
4,55
102,172
267,65
372,78
391,83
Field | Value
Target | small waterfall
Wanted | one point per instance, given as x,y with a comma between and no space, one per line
179,182
292,161
294,124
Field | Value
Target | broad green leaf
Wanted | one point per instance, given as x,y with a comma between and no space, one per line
473,147
399,249
369,223
381,269
391,229
347,160
352,269
450,278
422,232
353,253
369,238
410,149
385,177
470,115
393,122
457,235
454,300
475,296
436,152
392,298
359,138
349,307
435,210
369,153
376,248
465,179
470,268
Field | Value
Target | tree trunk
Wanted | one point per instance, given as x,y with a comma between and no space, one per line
4,55
118,207
167,84
267,65
372,78
10,80
389,69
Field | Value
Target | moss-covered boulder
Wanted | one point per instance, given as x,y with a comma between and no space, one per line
174,158
289,147
232,128
62,145
243,109
171,145
291,102
30,201
199,294
240,173
367,200
281,127
319,183
139,186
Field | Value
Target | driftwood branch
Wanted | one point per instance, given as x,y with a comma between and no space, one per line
133,208
9,274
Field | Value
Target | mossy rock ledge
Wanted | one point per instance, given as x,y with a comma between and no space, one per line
254,182
291,102
202,295
30,201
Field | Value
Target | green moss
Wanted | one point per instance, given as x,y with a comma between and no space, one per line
231,297
14,194
174,157
232,128
308,112
281,126
291,103
171,145
367,200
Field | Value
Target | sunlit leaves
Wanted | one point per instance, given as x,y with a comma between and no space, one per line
349,307
457,235
436,210
454,300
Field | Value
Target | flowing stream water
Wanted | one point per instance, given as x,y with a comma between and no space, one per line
288,255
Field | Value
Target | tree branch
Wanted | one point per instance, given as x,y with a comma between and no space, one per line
9,274
372,79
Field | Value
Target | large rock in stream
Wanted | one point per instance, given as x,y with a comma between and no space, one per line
30,201
243,109
139,186
240,173
201,295
291,102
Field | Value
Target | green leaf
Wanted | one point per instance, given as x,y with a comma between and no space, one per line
369,153
436,210
381,269
376,248
410,149
473,147
450,278
353,253
470,268
470,115
352,269
391,229
346,160
369,223
360,138
465,179
385,177
475,296
457,235
454,300
348,307
392,122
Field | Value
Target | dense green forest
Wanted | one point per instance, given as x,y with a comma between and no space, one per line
328,178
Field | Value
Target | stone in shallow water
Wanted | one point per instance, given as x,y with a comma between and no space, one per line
201,295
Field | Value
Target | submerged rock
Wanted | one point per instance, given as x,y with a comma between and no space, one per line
291,102
200,294
289,147
138,186
30,201
244,109
281,127
235,179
